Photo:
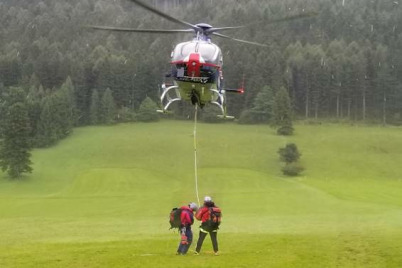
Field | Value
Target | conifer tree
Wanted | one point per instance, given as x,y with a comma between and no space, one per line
261,112
147,111
263,103
47,133
95,108
34,105
15,147
282,112
2,108
64,111
69,97
108,107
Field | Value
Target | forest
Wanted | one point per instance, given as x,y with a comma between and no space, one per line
344,63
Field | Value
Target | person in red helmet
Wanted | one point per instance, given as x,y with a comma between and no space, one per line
210,216
187,219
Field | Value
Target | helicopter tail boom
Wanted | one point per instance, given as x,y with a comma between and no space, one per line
234,90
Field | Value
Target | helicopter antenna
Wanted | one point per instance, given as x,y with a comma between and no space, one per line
242,84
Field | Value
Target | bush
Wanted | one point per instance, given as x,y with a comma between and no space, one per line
210,114
292,169
285,130
125,115
247,118
289,153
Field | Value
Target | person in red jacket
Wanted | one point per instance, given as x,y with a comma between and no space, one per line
208,226
187,219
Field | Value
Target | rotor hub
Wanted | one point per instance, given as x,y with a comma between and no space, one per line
204,26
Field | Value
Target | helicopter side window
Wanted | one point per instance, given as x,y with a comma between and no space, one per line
179,70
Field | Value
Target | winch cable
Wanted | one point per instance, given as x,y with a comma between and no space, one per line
195,154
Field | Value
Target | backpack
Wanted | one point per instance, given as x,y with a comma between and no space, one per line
174,218
214,220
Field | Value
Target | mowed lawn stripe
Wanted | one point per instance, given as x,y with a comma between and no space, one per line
100,198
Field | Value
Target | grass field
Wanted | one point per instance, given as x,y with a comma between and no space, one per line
101,197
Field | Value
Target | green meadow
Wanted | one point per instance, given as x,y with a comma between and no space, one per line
101,198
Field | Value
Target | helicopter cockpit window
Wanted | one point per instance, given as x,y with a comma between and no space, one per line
180,72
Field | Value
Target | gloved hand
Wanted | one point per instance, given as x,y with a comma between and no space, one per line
184,240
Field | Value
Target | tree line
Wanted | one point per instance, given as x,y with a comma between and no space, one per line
345,63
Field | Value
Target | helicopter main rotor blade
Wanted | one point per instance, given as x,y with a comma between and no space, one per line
211,30
118,29
294,17
239,40
288,18
164,15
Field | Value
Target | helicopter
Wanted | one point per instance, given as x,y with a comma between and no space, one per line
196,65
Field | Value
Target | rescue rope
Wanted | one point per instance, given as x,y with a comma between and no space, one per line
195,154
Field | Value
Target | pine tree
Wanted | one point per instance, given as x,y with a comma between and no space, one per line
108,107
282,112
10,64
48,129
34,106
263,103
147,111
15,147
64,115
95,108
261,112
68,90
2,108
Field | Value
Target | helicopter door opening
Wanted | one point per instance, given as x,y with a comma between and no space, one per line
210,72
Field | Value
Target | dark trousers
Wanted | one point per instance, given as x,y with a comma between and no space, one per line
214,239
183,248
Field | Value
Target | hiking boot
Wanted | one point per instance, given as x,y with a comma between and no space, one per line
217,253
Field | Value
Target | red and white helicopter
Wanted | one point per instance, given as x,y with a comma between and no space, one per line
197,64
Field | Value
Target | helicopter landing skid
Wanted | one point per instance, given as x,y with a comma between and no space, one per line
220,102
166,99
